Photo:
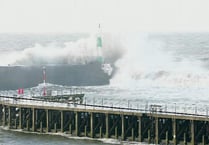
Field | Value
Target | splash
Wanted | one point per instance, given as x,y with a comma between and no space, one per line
78,52
147,62
81,51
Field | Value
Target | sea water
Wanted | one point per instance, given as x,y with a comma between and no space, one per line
166,69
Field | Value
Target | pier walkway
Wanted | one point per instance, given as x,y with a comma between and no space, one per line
152,125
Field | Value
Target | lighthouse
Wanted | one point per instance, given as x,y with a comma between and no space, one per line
99,46
106,67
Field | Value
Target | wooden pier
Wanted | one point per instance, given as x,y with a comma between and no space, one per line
125,124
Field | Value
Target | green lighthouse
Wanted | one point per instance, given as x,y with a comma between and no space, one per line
99,47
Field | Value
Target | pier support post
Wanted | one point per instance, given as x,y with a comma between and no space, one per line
1,114
85,131
62,121
140,129
15,123
55,127
92,125
27,125
20,118
203,140
4,116
70,128
123,127
149,136
185,139
192,133
100,131
167,139
156,131
132,134
48,119
174,131
77,123
107,124
34,120
41,127
116,132
9,117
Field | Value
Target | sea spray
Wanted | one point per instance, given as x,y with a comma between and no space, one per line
80,51
147,61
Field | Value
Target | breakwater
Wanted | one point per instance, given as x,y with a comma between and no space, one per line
14,77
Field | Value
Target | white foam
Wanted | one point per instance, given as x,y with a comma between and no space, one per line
73,52
147,63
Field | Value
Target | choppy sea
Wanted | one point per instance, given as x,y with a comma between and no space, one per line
170,69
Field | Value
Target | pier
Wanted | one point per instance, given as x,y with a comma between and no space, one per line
105,121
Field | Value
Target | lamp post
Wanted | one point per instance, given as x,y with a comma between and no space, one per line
128,103
175,107
195,108
185,108
165,107
102,102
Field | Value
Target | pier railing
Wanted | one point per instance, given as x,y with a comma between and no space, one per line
105,105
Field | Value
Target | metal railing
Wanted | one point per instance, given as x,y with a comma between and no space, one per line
152,108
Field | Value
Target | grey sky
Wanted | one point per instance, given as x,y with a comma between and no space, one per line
115,15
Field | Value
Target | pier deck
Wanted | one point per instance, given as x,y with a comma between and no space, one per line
95,121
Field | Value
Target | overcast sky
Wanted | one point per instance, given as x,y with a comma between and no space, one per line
114,15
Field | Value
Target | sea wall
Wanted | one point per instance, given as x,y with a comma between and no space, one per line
13,77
